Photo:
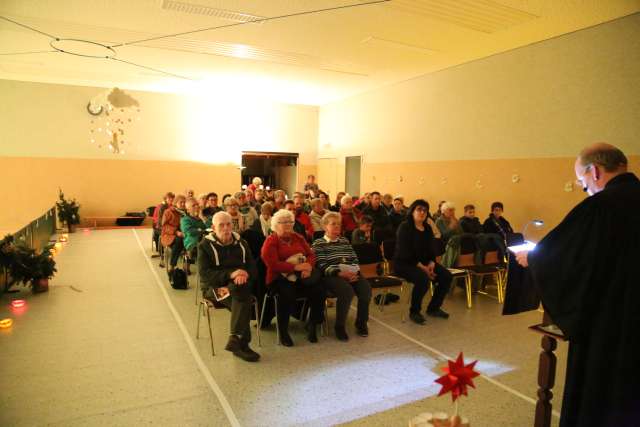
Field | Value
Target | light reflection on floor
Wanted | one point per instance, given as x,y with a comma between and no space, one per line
331,393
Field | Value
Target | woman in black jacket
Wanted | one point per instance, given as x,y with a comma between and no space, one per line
414,261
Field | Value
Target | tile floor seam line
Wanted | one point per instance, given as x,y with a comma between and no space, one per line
447,357
213,385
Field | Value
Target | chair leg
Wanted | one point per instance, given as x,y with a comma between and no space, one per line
467,282
324,328
275,303
257,312
197,287
198,323
403,310
213,352
431,287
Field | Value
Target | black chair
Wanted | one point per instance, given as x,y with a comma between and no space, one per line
376,269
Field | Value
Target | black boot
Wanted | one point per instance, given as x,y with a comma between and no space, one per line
312,335
283,330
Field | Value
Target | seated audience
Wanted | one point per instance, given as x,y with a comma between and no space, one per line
211,207
269,195
298,227
279,198
398,214
447,223
317,212
171,234
364,232
311,185
259,197
336,207
193,228
439,211
362,202
414,261
470,222
226,266
263,224
302,217
496,223
338,262
325,199
158,212
387,203
291,273
376,211
349,216
232,207
249,214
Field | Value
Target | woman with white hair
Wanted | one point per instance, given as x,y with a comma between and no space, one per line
290,274
447,223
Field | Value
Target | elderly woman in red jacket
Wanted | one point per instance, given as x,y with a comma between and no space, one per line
290,274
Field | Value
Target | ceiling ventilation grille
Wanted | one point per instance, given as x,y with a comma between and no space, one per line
196,9
486,16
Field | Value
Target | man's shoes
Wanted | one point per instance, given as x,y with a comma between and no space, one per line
248,350
312,335
161,265
438,313
362,329
241,349
285,339
341,334
417,318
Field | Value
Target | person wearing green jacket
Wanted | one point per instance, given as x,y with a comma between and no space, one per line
193,227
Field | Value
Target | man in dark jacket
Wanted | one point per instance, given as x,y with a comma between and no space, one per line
585,269
381,221
227,272
470,222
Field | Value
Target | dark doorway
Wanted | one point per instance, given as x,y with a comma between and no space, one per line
277,170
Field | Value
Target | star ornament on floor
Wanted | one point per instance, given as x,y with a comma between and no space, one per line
457,377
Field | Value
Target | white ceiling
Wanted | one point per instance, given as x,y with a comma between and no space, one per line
308,59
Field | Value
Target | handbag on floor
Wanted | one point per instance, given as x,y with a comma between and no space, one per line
178,279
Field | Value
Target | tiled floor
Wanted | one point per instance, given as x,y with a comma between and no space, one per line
112,344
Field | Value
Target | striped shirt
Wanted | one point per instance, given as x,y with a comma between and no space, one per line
329,254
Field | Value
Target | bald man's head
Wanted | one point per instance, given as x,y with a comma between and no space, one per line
610,158
597,164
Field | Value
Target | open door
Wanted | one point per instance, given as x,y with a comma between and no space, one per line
353,167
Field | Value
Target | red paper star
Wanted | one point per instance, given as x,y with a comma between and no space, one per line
457,377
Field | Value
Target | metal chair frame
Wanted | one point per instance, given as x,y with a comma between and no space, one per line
205,308
268,295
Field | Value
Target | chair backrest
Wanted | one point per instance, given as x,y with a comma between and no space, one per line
468,244
492,258
369,270
465,260
389,248
368,253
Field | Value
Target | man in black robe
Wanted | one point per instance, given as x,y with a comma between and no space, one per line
586,270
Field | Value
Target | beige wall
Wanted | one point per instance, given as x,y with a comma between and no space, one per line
179,142
103,187
538,192
528,111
